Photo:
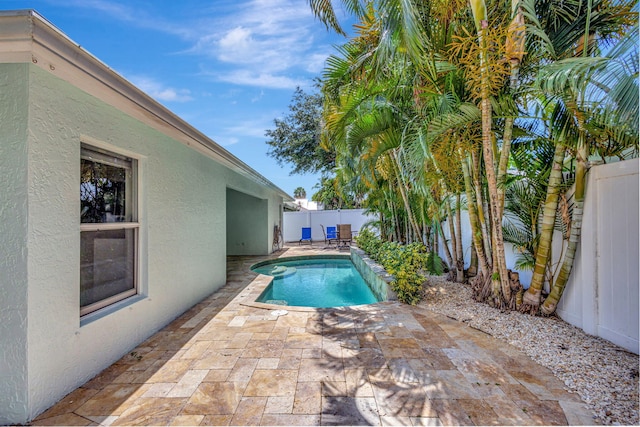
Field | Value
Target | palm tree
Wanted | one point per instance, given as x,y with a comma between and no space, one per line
299,193
590,98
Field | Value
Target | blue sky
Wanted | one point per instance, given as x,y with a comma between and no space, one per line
228,67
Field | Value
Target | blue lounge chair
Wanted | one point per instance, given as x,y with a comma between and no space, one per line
331,235
306,235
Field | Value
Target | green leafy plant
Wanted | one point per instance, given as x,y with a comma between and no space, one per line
406,263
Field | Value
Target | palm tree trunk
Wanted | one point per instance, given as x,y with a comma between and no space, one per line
403,188
480,203
459,249
551,302
532,297
496,218
472,207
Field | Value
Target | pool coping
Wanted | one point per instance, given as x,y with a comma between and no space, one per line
253,291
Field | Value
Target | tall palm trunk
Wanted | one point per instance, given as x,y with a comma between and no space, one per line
459,249
532,296
472,206
515,53
403,192
500,267
551,302
482,208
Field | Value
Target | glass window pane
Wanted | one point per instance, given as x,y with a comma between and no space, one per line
107,264
106,188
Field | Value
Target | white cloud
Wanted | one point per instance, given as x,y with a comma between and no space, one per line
159,91
247,77
266,43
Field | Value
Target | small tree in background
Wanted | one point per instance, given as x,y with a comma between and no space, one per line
299,193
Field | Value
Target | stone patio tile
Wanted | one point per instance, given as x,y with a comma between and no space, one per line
111,400
158,390
279,405
258,326
349,411
308,398
311,353
396,421
425,421
290,420
272,382
400,347
216,420
197,350
450,412
218,359
262,336
249,411
279,334
367,339
259,349
478,411
290,359
69,419
188,383
216,398
216,375
106,377
402,370
476,369
547,412
322,369
363,358
292,319
69,403
170,372
187,420
448,385
150,411
242,371
576,413
507,411
303,340
334,388
357,382
409,400
240,340
268,363
435,359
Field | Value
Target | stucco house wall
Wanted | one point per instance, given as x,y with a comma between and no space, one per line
46,111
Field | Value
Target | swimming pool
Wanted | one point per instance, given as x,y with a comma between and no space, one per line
321,283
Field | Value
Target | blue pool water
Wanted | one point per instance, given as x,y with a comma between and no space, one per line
315,283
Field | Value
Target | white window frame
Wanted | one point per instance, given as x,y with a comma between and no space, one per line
134,224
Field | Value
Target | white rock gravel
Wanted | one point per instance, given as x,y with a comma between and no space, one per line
604,375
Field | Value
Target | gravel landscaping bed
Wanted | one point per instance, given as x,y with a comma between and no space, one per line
603,374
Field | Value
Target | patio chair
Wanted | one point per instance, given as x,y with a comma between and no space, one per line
344,234
331,235
306,235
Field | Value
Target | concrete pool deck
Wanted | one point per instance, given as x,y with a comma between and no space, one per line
227,363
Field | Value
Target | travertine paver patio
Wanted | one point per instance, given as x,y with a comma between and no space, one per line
227,363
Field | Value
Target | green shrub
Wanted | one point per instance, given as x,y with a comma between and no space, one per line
404,262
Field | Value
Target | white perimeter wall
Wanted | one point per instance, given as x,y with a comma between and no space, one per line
46,350
602,293
294,221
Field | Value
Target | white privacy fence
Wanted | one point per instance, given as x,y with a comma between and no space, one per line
294,221
602,293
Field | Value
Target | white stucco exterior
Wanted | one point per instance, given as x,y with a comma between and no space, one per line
53,97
